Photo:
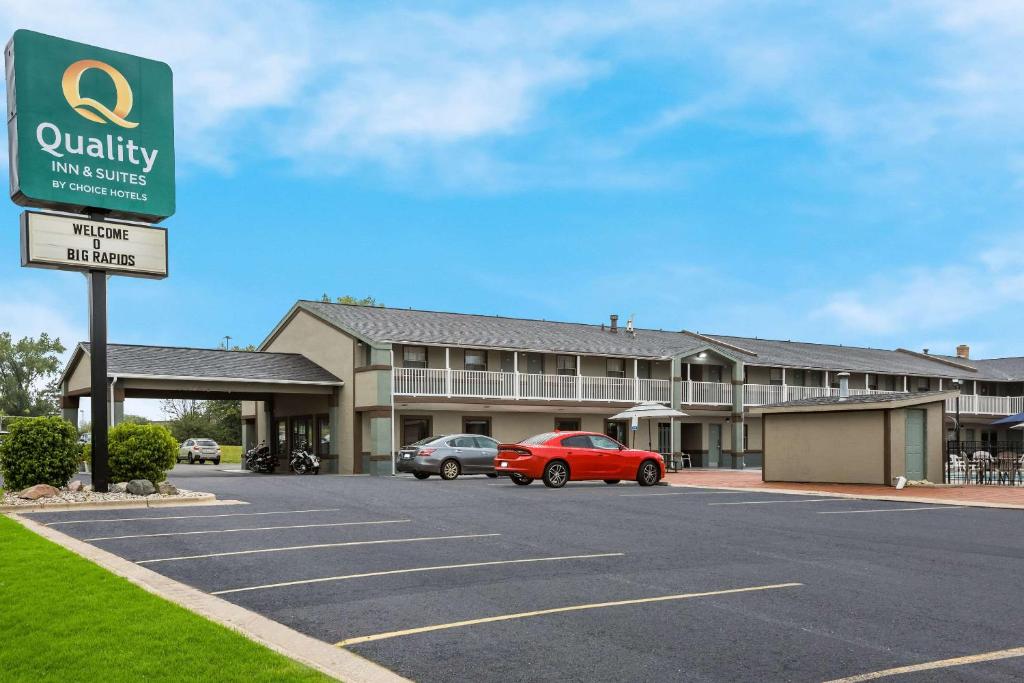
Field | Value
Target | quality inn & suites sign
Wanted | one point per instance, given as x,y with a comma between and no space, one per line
89,129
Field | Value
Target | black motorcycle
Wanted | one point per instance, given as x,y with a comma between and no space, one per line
303,461
260,459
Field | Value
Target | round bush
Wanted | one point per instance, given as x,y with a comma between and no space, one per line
42,450
141,452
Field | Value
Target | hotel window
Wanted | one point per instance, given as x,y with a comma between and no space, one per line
643,369
923,384
872,381
616,367
414,356
775,376
814,378
477,425
508,361
713,373
886,382
476,359
567,424
534,363
566,365
796,378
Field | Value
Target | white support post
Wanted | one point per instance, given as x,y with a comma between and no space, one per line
579,383
636,383
447,372
904,384
785,389
515,374
828,387
689,386
940,384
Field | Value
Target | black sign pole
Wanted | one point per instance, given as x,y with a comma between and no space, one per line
98,383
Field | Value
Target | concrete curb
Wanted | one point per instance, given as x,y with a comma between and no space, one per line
336,662
859,496
66,506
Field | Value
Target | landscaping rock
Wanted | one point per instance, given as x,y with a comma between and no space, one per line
38,491
140,487
119,487
166,488
75,486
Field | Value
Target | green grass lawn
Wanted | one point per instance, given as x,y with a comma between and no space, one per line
231,454
64,618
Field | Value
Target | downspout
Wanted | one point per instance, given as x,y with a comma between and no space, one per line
393,470
113,413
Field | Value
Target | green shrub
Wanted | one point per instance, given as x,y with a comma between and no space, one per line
141,452
42,450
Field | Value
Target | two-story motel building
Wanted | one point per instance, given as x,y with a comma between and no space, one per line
361,381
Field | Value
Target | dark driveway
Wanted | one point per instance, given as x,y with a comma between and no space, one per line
876,589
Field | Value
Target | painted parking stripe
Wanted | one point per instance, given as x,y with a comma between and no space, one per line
772,502
677,493
153,519
937,664
415,570
557,610
922,507
312,547
262,528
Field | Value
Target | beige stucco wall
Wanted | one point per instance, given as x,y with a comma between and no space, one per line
332,350
839,447
934,435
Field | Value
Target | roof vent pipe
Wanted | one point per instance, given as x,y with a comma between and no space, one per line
844,385
615,323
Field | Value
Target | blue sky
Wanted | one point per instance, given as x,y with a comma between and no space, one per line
833,172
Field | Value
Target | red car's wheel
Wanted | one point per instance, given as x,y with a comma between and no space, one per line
648,474
520,479
556,474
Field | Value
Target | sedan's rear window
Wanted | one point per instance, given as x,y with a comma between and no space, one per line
424,442
539,439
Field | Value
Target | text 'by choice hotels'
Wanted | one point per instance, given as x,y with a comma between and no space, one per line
111,148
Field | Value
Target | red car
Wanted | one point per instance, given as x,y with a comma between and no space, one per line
559,457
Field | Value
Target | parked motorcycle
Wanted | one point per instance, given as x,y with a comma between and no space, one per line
260,459
303,461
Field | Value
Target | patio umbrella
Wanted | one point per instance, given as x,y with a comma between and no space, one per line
650,410
1011,420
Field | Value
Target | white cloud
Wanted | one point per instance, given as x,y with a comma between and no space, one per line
923,299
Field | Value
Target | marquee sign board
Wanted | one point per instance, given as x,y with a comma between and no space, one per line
74,243
89,129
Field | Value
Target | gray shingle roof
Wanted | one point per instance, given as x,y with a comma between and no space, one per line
859,399
256,366
399,325
396,325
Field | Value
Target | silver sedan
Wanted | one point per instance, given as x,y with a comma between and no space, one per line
449,456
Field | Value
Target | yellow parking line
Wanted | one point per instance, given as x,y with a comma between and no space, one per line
931,666
414,570
572,608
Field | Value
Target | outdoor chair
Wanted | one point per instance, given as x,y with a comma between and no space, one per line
675,461
957,466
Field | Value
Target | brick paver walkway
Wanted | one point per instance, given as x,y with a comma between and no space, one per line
985,496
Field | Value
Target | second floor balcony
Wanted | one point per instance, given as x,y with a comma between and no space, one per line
452,383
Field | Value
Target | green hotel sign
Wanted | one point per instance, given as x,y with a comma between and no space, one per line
90,130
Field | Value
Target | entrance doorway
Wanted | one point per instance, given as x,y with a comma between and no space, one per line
714,445
414,429
618,430
915,445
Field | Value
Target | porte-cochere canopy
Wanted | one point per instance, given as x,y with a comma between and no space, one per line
175,372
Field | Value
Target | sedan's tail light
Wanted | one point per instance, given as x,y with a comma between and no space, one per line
426,451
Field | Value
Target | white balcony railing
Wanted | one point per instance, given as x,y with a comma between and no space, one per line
485,384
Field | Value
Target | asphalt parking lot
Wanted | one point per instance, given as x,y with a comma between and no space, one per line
478,579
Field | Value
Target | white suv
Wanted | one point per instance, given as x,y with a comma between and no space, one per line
199,451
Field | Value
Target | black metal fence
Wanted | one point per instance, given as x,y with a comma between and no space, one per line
984,463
